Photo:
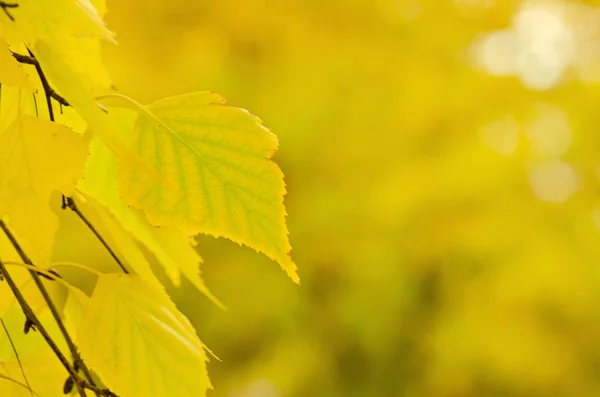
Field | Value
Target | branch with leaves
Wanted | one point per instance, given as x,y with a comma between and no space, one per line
136,176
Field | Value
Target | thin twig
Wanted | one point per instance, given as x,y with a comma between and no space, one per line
12,344
16,382
47,274
51,305
48,91
77,266
4,5
30,314
68,202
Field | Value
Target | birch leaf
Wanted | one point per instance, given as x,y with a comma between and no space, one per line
174,251
139,343
11,71
37,157
219,159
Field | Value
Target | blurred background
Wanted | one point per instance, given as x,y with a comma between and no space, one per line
443,165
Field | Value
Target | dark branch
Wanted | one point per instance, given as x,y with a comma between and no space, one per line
5,6
49,92
68,202
29,313
53,309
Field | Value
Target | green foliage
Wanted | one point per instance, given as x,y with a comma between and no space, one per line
144,181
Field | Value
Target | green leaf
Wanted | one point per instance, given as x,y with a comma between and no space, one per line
139,343
37,157
219,159
174,251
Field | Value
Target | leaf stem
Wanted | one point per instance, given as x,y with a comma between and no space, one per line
43,273
12,344
16,382
70,203
77,266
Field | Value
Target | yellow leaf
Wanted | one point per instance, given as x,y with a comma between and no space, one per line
23,279
121,240
134,332
75,87
11,72
74,310
44,372
45,375
13,102
37,157
174,251
219,158
54,21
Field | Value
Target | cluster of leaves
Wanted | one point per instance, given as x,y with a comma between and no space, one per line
150,177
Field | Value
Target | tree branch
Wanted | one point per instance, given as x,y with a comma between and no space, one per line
51,305
5,6
48,91
30,314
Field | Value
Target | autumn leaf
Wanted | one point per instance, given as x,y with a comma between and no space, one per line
173,250
44,372
139,344
47,19
219,159
121,240
11,72
37,157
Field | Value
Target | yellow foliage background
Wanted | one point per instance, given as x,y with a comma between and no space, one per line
444,219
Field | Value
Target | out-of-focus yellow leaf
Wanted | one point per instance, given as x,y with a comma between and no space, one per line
219,158
54,20
37,157
13,102
75,309
45,374
134,332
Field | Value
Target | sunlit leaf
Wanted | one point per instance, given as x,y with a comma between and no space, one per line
139,344
174,251
37,157
76,306
76,88
219,158
45,374
54,20
11,71
121,240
